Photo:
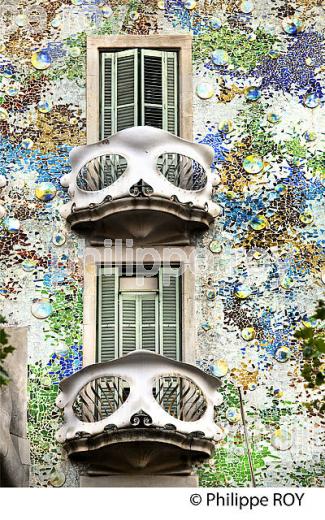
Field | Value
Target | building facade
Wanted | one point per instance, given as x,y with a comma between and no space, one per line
187,221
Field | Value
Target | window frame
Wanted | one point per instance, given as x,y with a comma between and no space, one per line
97,257
137,296
173,42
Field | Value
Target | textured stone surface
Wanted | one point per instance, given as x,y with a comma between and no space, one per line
14,445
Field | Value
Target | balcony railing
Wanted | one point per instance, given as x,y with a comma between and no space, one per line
181,171
178,396
141,398
146,171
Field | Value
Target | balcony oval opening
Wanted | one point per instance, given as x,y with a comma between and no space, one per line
101,172
100,398
182,171
180,397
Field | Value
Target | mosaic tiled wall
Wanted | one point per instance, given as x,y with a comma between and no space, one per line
257,101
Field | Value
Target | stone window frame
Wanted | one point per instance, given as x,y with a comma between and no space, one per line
96,256
179,42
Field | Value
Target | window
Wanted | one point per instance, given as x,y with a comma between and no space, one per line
138,87
138,313
123,89
138,324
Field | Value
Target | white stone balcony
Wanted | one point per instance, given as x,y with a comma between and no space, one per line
143,184
142,413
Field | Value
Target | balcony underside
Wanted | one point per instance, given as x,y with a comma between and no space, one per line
147,221
140,451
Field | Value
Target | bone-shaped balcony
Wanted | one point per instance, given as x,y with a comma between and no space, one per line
143,184
142,413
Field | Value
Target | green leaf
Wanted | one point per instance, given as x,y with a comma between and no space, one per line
4,378
8,350
319,344
3,337
320,311
308,351
305,333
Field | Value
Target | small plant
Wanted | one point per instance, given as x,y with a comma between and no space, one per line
313,343
5,349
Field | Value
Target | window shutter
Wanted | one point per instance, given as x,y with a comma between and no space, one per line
107,332
107,107
159,89
126,78
138,323
170,92
169,294
149,323
119,91
152,88
128,324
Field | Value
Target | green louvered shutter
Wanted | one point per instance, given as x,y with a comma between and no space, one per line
138,323
122,107
128,324
119,91
107,95
126,77
171,92
169,296
152,88
159,89
107,314
149,322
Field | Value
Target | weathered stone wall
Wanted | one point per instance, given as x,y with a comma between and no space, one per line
259,268
14,445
